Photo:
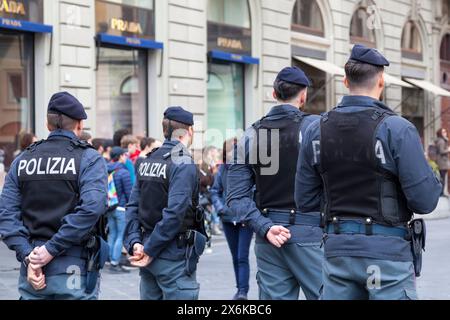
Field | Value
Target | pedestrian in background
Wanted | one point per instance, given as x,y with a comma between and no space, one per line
131,145
443,150
147,145
116,217
117,142
25,140
238,234
86,136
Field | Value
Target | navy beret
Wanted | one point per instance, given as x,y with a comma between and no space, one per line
116,152
65,103
368,55
294,75
180,115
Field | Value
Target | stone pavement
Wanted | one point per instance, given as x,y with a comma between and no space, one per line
216,275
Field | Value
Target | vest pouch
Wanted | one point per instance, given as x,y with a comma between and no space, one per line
389,202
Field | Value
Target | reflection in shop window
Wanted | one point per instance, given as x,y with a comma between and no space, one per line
121,92
359,30
307,18
16,90
411,42
225,101
413,107
230,12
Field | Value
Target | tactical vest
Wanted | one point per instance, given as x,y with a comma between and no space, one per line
355,184
276,191
153,177
48,173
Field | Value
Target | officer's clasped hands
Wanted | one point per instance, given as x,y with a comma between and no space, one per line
36,278
40,257
139,258
278,236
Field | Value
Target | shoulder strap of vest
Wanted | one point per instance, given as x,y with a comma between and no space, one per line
293,115
33,146
151,152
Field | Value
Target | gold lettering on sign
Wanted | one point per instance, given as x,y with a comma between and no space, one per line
126,26
13,7
230,43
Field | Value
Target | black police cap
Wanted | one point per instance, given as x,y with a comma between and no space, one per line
294,75
180,115
65,103
368,55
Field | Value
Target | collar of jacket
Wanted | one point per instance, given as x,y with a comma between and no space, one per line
362,101
62,133
283,109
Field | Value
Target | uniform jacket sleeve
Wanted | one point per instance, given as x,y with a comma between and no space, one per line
183,180
93,184
217,191
12,230
133,233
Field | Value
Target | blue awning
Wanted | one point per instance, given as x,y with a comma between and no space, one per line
129,41
27,26
233,57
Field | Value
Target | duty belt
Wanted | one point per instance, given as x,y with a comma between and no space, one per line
366,227
74,251
292,217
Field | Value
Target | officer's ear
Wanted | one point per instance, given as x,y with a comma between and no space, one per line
303,96
381,81
346,83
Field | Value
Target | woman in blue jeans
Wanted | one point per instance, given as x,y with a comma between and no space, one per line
116,218
238,235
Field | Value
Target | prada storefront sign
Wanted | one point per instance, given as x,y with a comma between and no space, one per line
229,38
123,20
25,10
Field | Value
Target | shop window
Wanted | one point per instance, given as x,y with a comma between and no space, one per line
446,7
411,42
146,4
225,100
413,107
16,90
121,92
445,48
360,32
307,18
230,12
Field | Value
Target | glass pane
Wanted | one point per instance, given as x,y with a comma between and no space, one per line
225,101
231,12
121,92
146,4
307,14
16,90
445,48
413,107
411,38
359,28
316,103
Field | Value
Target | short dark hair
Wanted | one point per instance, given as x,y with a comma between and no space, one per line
85,136
285,91
168,130
60,121
118,135
146,142
362,75
97,143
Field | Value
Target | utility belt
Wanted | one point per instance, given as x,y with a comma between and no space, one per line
414,232
291,217
75,251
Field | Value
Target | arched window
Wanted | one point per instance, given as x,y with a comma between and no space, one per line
445,48
230,12
307,18
411,42
359,29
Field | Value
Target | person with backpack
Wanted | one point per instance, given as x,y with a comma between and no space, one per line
119,190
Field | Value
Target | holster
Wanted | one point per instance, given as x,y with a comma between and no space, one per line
195,245
98,251
418,237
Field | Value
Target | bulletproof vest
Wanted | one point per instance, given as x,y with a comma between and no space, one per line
153,177
276,191
48,173
355,184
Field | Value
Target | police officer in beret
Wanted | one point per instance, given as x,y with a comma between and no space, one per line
287,247
54,194
164,232
363,167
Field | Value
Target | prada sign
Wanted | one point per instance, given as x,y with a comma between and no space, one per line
229,38
27,10
124,20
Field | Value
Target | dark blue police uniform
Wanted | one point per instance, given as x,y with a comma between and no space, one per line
364,168
54,194
162,215
297,264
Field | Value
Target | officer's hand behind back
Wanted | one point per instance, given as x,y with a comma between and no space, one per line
36,278
278,235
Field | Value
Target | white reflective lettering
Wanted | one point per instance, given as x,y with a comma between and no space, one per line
55,164
22,165
71,167
31,167
316,150
39,171
379,152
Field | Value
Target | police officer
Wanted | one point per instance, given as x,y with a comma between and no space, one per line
367,165
54,194
287,248
162,218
